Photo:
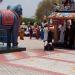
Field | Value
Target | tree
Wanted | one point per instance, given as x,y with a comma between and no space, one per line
57,1
27,20
45,8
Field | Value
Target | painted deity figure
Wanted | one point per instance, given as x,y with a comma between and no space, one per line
61,29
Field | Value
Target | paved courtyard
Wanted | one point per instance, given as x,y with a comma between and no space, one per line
36,61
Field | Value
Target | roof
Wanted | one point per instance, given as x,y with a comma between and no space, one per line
63,15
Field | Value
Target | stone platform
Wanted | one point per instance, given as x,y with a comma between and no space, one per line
12,49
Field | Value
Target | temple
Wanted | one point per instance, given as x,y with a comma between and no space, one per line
66,6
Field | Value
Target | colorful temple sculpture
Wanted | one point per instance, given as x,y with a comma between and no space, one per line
64,24
9,25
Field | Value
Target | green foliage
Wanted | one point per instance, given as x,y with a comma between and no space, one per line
45,7
30,20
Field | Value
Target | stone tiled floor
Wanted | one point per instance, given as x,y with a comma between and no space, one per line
36,61
6,69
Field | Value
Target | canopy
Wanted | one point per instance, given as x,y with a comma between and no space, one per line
62,15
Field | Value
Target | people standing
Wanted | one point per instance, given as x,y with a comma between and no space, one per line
67,34
61,37
30,32
72,34
21,33
49,45
49,38
42,33
45,33
37,32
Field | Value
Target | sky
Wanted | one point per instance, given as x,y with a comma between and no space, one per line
29,6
